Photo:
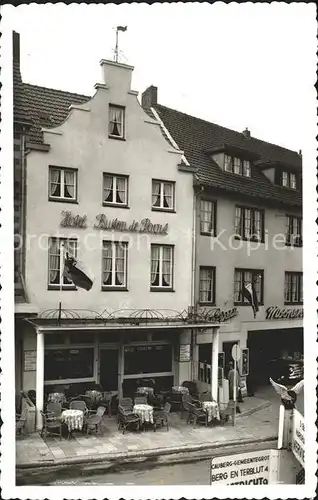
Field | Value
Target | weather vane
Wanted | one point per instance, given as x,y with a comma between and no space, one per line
288,396
119,28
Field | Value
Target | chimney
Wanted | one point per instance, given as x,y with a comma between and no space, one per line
300,153
116,76
246,133
16,46
149,98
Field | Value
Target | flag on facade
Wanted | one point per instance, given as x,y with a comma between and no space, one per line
250,293
76,272
121,28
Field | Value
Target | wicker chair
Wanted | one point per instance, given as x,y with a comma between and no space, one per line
54,409
94,419
20,422
126,403
78,404
127,419
50,426
140,400
197,415
160,417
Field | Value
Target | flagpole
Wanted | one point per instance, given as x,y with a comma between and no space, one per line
116,47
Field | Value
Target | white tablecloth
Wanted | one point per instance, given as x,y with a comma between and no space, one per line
144,412
180,389
145,390
212,409
74,419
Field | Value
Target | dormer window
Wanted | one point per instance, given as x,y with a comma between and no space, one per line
237,166
289,180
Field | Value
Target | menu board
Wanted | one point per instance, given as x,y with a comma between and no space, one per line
29,361
185,352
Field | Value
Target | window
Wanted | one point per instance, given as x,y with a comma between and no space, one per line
62,184
237,165
57,252
115,189
63,364
207,285
249,223
147,359
116,121
114,265
161,267
244,276
289,180
208,217
162,195
293,288
293,230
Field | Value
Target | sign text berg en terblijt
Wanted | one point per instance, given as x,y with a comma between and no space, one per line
243,468
105,224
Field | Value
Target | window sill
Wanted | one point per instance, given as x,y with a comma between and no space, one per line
254,240
114,289
212,235
296,245
162,209
241,304
65,288
161,289
115,205
63,200
207,304
293,303
116,137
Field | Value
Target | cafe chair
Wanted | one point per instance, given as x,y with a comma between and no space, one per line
78,404
197,415
205,396
54,409
126,403
126,419
20,422
141,400
51,425
94,419
160,417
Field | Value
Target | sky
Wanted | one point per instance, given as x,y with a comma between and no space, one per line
237,65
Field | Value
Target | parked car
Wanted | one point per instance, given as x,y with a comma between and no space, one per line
286,371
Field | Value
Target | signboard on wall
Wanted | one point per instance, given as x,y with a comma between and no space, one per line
185,353
29,361
298,437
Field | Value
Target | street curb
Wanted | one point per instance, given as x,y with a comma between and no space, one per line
142,454
260,407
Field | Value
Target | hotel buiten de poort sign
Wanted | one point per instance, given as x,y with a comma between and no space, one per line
103,223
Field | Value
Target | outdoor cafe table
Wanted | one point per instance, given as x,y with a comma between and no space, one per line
180,389
144,412
145,390
212,409
74,419
56,397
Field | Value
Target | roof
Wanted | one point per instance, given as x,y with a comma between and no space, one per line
50,107
196,137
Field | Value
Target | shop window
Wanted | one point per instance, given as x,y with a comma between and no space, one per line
141,336
147,359
62,184
55,339
63,364
81,337
293,288
58,248
249,223
208,217
163,194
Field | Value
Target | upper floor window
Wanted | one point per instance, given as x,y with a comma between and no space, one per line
249,223
207,285
62,184
293,288
161,275
208,217
237,165
115,189
114,264
163,195
293,231
243,277
116,121
289,180
58,248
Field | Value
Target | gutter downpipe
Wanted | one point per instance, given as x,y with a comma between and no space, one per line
194,260
23,212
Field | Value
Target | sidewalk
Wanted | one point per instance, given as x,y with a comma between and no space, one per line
257,422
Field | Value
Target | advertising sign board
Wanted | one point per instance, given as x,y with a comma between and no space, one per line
236,352
298,437
252,468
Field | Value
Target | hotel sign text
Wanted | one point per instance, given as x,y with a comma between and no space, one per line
275,312
103,223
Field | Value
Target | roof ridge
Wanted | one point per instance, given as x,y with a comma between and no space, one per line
226,128
56,90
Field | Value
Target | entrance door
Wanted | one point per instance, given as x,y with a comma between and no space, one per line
108,369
